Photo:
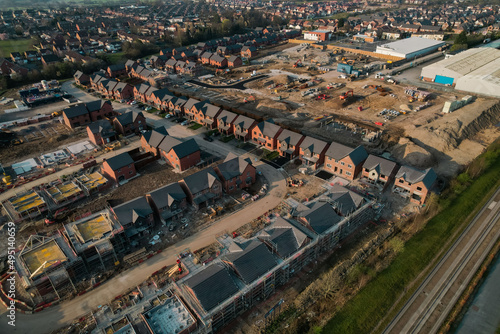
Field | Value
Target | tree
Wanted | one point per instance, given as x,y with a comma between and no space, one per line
340,23
461,38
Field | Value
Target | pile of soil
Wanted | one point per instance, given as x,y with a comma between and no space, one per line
409,153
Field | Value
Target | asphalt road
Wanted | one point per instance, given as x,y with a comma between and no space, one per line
239,85
63,314
427,309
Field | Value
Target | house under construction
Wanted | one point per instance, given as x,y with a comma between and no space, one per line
98,239
251,270
26,205
92,183
170,316
48,265
63,193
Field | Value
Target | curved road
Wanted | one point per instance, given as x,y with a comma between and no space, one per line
239,85
63,314
427,309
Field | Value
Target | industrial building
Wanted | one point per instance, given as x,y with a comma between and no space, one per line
98,239
26,205
171,316
410,48
475,70
318,35
251,270
48,266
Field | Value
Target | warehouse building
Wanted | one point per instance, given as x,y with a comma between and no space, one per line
318,35
475,70
410,48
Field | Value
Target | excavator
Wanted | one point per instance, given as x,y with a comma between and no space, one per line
346,95
298,63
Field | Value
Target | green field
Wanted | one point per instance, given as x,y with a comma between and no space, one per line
19,45
370,305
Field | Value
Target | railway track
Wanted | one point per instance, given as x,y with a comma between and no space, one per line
429,306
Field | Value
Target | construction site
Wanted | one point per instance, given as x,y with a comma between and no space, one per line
338,95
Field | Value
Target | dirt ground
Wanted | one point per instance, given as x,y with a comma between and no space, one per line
462,134
35,142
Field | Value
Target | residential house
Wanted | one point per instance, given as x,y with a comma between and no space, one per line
75,116
129,123
202,188
119,168
379,171
123,91
151,140
266,134
243,127
413,183
140,92
285,237
248,51
225,121
205,58
218,61
211,112
234,61
344,161
101,132
136,217
100,109
319,217
168,202
288,143
236,173
49,59
118,70
312,151
81,79
180,155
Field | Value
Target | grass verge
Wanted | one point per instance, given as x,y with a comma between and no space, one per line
364,311
195,126
15,45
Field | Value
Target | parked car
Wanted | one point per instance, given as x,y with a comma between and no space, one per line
207,138
133,102
185,123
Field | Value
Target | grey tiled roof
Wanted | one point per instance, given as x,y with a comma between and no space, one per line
252,261
412,175
292,138
186,148
75,111
156,136
338,151
233,166
167,195
119,161
212,285
383,166
320,217
268,128
315,145
344,200
131,211
201,180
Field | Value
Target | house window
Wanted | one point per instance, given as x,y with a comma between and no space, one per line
342,163
367,170
419,188
118,170
348,173
248,173
349,166
382,176
328,165
216,187
401,181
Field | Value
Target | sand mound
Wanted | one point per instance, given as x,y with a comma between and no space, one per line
409,153
268,105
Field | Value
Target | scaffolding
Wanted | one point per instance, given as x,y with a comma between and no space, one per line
25,205
92,183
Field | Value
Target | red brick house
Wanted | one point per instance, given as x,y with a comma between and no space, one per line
379,171
129,123
100,109
248,51
81,79
312,151
225,121
168,202
243,127
414,184
180,155
176,105
101,132
211,112
288,143
344,161
123,91
136,217
118,70
76,116
141,91
218,61
266,134
151,140
236,173
234,61
202,188
189,105
119,168
205,58
199,111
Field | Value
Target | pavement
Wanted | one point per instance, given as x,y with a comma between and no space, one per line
64,313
